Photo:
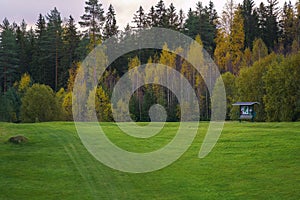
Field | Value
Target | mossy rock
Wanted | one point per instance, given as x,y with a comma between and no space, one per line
18,139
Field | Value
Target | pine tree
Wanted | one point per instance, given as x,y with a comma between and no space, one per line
93,20
110,27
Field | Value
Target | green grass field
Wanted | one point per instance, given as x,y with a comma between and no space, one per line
250,161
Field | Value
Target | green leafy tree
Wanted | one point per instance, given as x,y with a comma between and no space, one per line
282,90
229,83
230,43
67,106
260,50
60,97
250,85
99,101
39,104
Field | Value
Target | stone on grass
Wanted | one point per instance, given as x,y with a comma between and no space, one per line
18,139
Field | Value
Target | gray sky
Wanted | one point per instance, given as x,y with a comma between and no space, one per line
16,10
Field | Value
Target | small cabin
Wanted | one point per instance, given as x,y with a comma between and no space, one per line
247,111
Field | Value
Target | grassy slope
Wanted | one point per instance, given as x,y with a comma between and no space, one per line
250,161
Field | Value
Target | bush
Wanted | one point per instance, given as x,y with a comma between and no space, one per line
39,105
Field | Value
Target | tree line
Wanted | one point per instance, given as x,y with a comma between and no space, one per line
256,48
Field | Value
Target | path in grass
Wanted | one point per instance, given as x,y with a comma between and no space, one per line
250,161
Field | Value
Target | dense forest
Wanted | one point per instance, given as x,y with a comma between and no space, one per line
256,47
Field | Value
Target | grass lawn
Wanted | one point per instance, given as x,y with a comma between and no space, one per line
250,161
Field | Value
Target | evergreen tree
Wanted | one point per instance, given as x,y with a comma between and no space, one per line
288,27
140,19
250,17
53,48
173,19
38,65
93,20
152,17
9,57
203,22
192,25
71,42
268,23
39,104
161,14
24,48
181,20
110,28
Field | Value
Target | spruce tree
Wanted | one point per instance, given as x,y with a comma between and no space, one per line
250,17
173,19
71,41
9,57
53,47
140,19
38,65
110,27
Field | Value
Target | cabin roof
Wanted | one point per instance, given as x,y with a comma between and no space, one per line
245,103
